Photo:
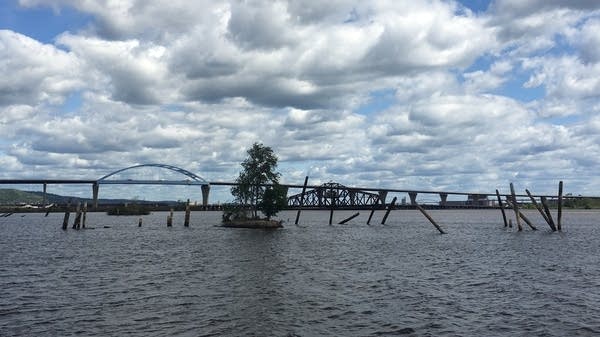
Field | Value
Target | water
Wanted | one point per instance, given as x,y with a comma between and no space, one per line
404,278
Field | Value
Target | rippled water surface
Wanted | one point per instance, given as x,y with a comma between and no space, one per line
403,278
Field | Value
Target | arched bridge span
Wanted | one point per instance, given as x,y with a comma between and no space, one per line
192,179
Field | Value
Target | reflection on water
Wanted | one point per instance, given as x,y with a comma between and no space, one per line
354,280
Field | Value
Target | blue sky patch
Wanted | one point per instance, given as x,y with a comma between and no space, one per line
40,23
379,100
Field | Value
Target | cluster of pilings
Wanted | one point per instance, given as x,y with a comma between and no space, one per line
544,209
375,207
80,216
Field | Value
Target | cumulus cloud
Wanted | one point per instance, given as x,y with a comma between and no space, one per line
35,72
195,83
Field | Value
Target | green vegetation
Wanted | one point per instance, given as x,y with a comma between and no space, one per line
12,197
128,210
584,203
258,170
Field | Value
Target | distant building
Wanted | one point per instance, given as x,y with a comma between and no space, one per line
473,200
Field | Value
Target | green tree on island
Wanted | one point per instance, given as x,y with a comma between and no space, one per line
258,170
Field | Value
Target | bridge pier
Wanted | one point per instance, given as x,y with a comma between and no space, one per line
413,197
443,199
382,196
205,192
95,190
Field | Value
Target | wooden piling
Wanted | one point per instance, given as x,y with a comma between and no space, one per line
522,216
350,218
67,214
515,206
140,222
84,216
429,218
77,221
375,206
334,196
389,209
301,200
170,219
548,214
527,221
560,201
501,208
539,208
186,222
331,211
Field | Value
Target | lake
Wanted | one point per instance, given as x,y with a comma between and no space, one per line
402,278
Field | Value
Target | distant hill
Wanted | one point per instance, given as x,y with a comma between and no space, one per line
12,196
16,197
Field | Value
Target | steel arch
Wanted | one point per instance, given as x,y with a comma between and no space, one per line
195,179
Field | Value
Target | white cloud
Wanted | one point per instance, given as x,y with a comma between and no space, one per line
33,72
195,83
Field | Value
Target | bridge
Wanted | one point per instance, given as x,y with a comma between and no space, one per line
320,196
336,195
190,179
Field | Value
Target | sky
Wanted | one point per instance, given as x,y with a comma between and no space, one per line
429,95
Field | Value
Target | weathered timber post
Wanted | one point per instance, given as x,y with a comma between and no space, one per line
375,206
527,221
515,206
140,222
332,204
548,214
301,200
186,221
413,197
501,208
205,192
95,190
84,216
524,218
45,200
560,201
539,208
350,218
170,218
389,209
509,223
429,218
77,221
67,214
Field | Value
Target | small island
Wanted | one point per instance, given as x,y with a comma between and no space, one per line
257,190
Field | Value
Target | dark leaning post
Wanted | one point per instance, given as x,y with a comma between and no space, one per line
422,210
389,209
186,221
67,214
301,200
560,202
501,208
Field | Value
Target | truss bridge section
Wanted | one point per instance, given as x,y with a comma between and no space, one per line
334,195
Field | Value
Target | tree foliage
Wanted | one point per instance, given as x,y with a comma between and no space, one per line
274,199
258,169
